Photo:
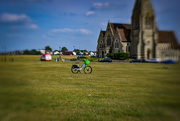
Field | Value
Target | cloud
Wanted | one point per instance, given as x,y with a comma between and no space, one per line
32,26
98,5
16,21
82,31
103,24
25,0
14,18
68,14
90,13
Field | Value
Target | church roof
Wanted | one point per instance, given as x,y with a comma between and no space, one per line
143,5
120,26
115,26
123,29
125,35
169,37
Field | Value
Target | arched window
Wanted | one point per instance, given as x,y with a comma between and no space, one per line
149,22
128,48
109,40
116,44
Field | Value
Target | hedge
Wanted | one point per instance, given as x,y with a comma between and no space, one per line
118,56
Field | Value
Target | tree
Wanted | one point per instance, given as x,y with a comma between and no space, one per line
48,48
32,52
84,52
64,49
56,50
26,52
77,51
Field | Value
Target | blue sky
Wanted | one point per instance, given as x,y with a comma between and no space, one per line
34,24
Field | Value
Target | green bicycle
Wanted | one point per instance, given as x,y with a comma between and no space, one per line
85,66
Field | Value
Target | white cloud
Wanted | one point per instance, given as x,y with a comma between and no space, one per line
82,31
63,30
90,13
99,5
12,18
103,24
25,0
32,26
17,21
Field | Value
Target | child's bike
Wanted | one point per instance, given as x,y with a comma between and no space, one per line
85,66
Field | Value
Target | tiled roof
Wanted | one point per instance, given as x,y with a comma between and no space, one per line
169,37
119,26
125,35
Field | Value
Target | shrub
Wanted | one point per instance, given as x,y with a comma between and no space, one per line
124,56
117,55
121,56
110,55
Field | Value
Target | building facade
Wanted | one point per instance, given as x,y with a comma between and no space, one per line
141,39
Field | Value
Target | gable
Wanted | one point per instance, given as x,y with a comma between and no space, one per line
168,37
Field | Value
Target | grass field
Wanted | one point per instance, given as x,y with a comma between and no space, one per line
48,91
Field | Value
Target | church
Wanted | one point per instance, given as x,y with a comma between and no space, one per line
141,39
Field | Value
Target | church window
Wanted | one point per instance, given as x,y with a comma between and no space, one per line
109,41
116,44
149,22
127,48
148,42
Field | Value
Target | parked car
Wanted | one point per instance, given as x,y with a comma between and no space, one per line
80,57
93,57
168,61
106,60
154,60
138,61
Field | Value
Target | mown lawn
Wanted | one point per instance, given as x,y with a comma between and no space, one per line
31,90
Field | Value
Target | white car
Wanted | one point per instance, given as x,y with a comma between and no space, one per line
154,60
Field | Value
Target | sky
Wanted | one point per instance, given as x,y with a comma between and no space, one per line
34,24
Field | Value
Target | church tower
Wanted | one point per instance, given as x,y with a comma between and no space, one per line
144,30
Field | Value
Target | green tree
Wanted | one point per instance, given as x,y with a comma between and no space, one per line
84,52
110,55
77,51
110,50
26,52
48,48
33,52
64,49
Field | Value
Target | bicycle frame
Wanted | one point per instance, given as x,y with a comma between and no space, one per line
82,66
87,69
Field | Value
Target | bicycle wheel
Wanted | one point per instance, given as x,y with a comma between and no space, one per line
87,70
74,71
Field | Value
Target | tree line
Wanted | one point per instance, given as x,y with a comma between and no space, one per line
37,52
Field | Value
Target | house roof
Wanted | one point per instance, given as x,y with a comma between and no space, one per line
123,29
125,35
168,37
119,26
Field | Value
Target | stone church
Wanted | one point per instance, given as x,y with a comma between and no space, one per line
141,39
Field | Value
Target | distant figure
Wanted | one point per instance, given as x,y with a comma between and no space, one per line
56,59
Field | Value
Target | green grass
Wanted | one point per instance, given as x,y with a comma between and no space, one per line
48,91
